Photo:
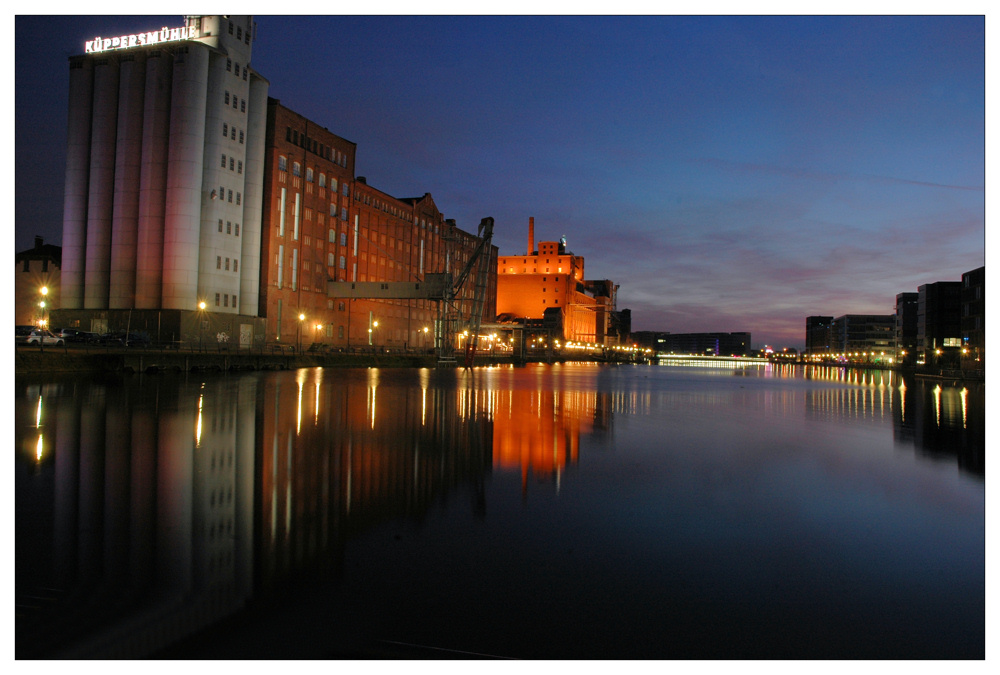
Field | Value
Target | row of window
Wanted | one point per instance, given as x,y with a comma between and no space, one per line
229,227
230,132
225,300
315,147
229,68
228,194
234,164
310,175
240,36
238,103
218,263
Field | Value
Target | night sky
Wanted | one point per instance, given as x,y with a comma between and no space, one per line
730,173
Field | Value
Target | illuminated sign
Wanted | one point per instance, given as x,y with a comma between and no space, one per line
99,44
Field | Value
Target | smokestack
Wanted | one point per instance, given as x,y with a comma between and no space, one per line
531,235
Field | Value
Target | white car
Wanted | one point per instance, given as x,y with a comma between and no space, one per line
44,337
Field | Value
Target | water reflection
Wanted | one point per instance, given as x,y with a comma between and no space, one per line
151,507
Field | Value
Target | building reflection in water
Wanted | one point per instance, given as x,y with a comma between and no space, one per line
341,452
148,534
940,419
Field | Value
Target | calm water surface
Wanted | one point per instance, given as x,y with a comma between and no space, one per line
563,511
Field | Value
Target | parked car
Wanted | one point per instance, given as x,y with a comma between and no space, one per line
121,339
44,337
21,334
76,335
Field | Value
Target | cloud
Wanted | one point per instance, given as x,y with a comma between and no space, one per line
807,174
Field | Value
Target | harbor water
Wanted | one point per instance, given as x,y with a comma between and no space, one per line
546,511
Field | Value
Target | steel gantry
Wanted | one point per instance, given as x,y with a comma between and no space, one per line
442,288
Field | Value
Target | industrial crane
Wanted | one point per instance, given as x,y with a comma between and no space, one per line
443,288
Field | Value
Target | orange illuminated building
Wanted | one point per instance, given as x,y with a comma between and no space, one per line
549,284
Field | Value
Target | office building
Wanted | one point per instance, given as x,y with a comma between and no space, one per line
973,320
819,336
939,326
865,337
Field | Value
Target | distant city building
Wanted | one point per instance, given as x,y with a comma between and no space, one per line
165,146
973,320
819,335
939,325
36,283
905,346
549,285
715,344
865,337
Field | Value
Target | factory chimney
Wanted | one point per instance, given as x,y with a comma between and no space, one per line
531,235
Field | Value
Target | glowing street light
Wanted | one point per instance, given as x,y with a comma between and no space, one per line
298,332
201,324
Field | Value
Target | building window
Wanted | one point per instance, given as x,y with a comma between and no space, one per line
216,299
232,133
333,184
343,264
322,180
232,163
235,102
220,224
229,226
225,129
343,239
343,213
218,262
237,232
344,186
234,299
239,166
309,175
229,65
225,300
227,264
229,196
243,105
296,169
230,32
238,195
241,137
223,161
236,268
282,164
244,74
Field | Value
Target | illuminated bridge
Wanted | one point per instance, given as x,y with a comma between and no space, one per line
710,361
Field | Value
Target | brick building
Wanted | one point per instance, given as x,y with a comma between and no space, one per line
549,284
322,224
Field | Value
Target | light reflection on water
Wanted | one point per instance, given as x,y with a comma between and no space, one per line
150,508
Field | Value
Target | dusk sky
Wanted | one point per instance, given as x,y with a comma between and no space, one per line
730,173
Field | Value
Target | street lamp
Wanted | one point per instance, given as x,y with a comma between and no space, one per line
298,332
43,291
201,324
